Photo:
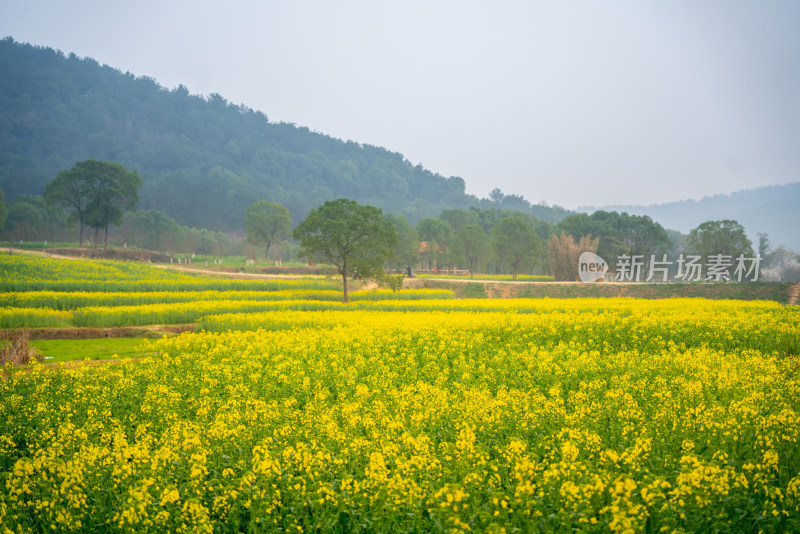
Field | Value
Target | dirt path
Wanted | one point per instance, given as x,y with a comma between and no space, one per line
794,295
22,251
227,274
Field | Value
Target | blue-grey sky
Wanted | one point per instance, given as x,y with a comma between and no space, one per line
570,102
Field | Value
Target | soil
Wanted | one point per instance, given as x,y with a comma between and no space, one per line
794,296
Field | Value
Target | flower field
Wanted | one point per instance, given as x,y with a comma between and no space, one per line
31,273
419,415
41,292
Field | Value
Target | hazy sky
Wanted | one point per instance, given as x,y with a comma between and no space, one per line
574,103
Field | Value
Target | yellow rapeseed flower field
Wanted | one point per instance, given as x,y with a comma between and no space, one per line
601,415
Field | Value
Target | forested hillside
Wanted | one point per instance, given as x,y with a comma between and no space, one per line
202,160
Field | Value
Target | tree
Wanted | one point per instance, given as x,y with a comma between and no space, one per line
725,237
99,192
31,219
68,191
645,236
783,265
458,218
266,222
619,233
25,219
472,244
151,229
516,243
496,195
405,253
356,239
763,245
110,190
438,236
3,208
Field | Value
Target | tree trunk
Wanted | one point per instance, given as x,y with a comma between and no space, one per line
105,237
344,286
96,236
80,232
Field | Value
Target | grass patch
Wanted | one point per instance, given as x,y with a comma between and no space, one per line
35,245
473,290
65,350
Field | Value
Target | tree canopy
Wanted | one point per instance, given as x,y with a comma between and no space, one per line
472,245
98,192
407,248
516,243
111,190
437,235
725,237
459,218
356,239
68,191
31,219
618,233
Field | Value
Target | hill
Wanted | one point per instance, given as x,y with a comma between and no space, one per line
772,210
203,160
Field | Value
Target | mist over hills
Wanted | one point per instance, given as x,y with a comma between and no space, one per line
774,210
202,160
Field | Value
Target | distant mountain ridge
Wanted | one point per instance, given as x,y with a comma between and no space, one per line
773,209
202,160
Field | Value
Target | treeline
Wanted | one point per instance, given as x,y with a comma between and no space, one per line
513,242
154,230
472,239
510,241
30,219
202,160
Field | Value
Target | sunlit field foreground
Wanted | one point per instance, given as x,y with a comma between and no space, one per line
533,415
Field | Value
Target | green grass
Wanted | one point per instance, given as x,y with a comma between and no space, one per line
474,290
65,350
36,245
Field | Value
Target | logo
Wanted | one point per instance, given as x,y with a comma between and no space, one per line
591,267
688,268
